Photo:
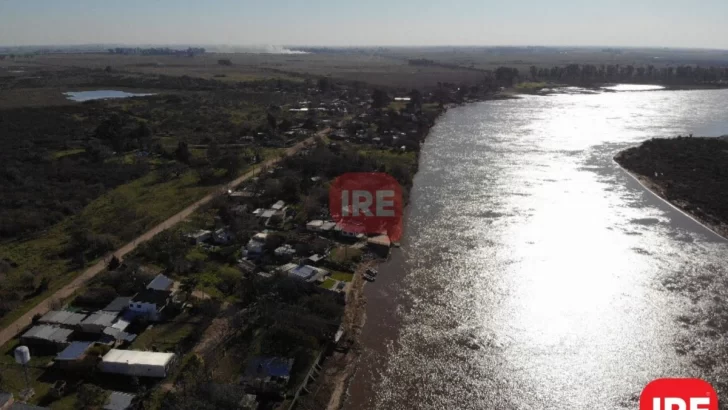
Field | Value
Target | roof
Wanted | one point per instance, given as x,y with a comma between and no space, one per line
23,406
314,224
74,351
62,317
5,398
118,304
268,213
316,258
117,334
100,318
278,205
382,240
327,226
160,282
269,367
199,234
287,267
137,357
119,401
48,333
158,297
304,271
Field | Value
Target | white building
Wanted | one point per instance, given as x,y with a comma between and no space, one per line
256,243
199,236
150,303
137,363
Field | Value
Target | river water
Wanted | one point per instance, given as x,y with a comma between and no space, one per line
531,265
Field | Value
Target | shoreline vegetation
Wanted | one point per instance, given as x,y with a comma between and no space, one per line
687,172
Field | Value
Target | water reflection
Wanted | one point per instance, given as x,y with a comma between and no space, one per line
530,271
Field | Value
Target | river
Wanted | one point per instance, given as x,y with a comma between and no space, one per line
531,268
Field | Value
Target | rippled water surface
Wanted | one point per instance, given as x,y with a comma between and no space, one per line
530,271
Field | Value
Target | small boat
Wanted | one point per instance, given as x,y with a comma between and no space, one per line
371,272
369,278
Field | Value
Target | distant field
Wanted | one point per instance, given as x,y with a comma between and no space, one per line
380,66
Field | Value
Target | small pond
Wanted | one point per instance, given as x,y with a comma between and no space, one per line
81,96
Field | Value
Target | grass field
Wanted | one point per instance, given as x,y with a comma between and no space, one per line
123,212
166,336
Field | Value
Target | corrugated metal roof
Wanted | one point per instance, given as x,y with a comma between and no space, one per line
100,318
160,282
62,317
118,304
74,351
49,333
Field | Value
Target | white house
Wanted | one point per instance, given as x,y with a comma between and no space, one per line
199,236
256,243
137,363
150,303
222,236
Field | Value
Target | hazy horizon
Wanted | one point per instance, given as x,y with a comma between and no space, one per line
560,23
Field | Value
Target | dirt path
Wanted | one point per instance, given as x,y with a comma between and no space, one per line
14,328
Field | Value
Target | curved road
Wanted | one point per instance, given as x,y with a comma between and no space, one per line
44,306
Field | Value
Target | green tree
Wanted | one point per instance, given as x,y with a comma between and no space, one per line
213,152
90,397
182,153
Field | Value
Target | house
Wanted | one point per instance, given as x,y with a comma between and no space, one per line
314,226
137,363
119,401
62,318
200,236
246,266
256,243
150,303
73,354
267,374
222,236
285,252
314,259
380,244
161,282
98,321
308,273
54,337
345,232
117,305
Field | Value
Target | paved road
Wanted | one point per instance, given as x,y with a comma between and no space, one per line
14,328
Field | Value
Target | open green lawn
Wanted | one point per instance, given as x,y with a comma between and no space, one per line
166,336
328,283
12,379
390,158
342,276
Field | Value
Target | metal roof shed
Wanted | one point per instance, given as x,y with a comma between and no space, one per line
160,282
62,317
137,363
97,322
74,351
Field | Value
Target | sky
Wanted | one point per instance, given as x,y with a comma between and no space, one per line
637,23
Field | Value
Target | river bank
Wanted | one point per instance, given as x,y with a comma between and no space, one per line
686,172
337,375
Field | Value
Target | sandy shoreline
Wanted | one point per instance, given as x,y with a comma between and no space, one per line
719,229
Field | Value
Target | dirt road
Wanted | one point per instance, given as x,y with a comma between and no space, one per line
14,328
